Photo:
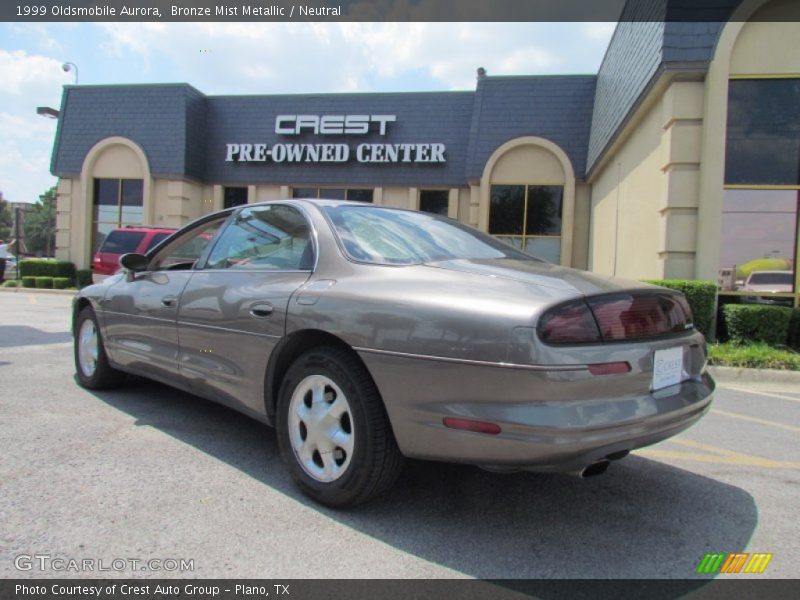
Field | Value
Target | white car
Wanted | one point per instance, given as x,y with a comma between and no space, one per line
773,282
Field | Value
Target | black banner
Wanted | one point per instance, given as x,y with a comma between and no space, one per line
395,589
368,10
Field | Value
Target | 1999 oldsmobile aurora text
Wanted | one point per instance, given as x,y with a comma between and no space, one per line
366,334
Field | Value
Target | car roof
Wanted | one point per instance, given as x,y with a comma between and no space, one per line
145,229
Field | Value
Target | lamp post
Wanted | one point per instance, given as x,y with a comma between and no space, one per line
70,66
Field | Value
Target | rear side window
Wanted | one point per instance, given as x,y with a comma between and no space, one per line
122,242
155,240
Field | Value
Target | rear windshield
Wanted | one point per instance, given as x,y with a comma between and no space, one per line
156,239
771,278
122,242
398,237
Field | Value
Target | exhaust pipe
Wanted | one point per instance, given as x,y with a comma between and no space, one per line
597,468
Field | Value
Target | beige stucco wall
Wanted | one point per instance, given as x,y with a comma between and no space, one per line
644,198
528,164
764,46
580,245
399,197
769,44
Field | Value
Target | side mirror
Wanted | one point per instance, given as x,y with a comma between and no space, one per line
133,262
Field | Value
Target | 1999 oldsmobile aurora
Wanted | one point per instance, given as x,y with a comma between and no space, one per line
365,334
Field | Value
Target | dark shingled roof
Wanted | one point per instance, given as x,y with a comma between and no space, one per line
650,36
557,108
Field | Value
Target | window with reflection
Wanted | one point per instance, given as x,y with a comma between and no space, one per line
528,217
759,242
352,194
116,203
759,235
763,135
436,202
234,196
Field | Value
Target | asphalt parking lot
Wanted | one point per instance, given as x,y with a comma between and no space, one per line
148,472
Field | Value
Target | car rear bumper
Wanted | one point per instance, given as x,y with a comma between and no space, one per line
555,420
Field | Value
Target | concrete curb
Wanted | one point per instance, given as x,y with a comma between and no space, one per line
22,290
742,375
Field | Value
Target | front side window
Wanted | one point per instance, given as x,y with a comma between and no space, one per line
275,237
395,237
116,203
184,251
528,217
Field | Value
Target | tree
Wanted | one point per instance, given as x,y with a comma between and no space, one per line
40,225
6,221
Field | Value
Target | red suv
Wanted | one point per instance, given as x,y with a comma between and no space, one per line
122,241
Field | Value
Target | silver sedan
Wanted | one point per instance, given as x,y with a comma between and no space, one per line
366,334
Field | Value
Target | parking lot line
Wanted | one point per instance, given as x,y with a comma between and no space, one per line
715,454
725,413
768,394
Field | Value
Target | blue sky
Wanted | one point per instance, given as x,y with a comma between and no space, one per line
260,58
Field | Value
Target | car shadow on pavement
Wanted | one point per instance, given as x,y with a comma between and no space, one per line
23,335
642,519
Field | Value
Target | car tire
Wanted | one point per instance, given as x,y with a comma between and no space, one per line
333,430
92,369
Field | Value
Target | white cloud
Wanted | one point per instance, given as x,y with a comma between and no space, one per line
601,31
330,57
29,80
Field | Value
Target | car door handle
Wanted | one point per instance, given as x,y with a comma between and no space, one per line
168,301
261,311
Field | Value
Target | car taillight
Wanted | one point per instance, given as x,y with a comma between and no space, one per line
569,324
616,317
635,316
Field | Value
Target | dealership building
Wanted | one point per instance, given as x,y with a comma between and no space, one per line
680,158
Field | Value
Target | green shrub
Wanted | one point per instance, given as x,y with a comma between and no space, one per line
748,323
29,281
752,356
702,298
793,339
61,283
84,277
11,283
45,283
46,267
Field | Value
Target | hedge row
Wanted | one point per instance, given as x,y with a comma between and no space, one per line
702,298
46,283
752,323
46,267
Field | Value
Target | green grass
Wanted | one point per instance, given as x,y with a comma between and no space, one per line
753,356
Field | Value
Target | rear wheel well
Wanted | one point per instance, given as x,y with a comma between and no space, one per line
286,352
